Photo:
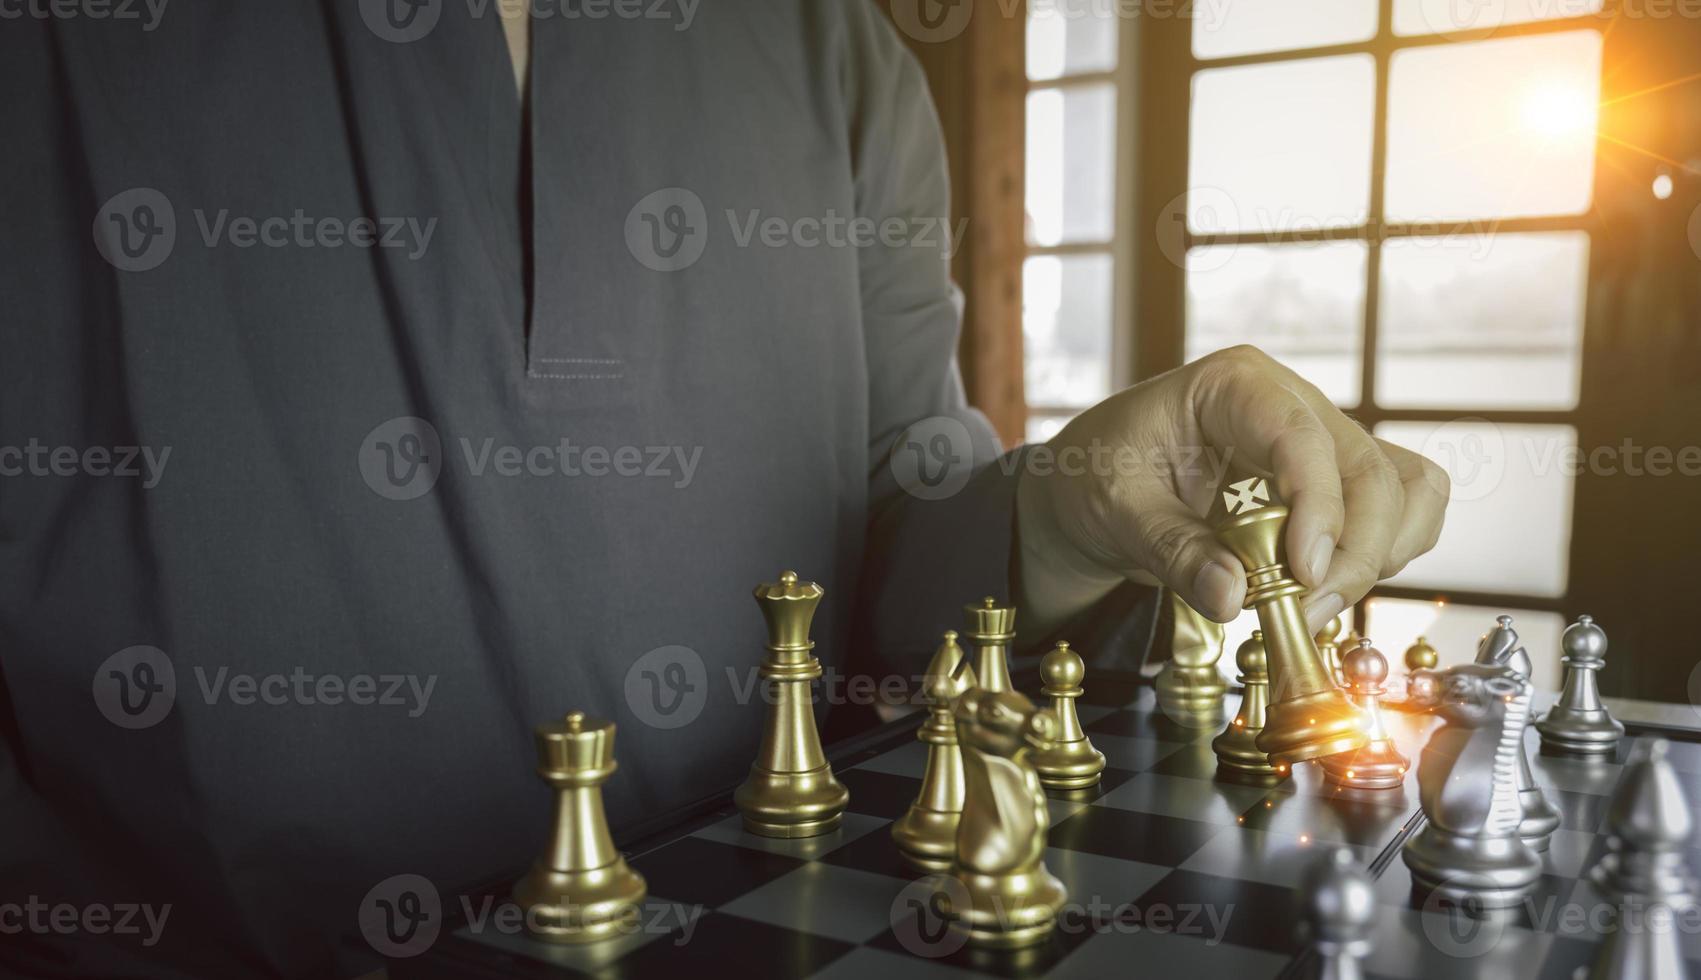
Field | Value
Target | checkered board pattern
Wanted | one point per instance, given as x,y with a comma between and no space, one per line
1168,869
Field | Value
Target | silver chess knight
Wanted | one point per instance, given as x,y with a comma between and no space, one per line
1469,851
1578,723
1644,874
1500,646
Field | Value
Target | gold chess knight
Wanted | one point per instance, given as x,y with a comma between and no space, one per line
926,834
1008,899
791,791
1308,716
1189,688
580,890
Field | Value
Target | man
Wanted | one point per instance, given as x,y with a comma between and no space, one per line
453,409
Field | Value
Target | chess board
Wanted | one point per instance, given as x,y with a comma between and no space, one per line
1168,868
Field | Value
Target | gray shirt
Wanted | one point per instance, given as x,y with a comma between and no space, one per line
442,431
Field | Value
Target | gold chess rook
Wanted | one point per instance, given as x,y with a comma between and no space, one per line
580,890
791,791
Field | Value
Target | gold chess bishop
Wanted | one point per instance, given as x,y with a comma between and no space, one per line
926,834
1188,686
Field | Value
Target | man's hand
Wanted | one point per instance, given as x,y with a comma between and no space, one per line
1147,457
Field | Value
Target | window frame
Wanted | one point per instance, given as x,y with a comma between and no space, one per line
1158,63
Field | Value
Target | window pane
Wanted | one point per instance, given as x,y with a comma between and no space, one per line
1394,624
1452,16
1280,148
1071,182
1223,30
1066,304
1043,427
1070,38
1509,523
1303,304
1493,129
1482,320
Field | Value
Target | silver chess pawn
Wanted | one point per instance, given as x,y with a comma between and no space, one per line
1578,723
1644,874
1500,646
1469,851
1379,765
1340,911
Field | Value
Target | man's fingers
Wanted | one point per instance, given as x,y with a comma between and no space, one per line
1241,404
1167,539
1427,488
1375,508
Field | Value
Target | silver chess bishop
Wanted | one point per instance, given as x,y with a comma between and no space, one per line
1469,851
1500,646
1643,874
1578,723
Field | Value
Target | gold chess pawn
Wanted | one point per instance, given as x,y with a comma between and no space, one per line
791,791
1189,688
926,834
1421,656
1008,899
580,890
1071,762
1329,646
991,630
1237,747
1308,717
1378,765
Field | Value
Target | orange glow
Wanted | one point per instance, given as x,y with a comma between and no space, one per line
1558,110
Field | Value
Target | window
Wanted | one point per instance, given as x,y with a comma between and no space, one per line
1069,278
1398,212
1390,196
